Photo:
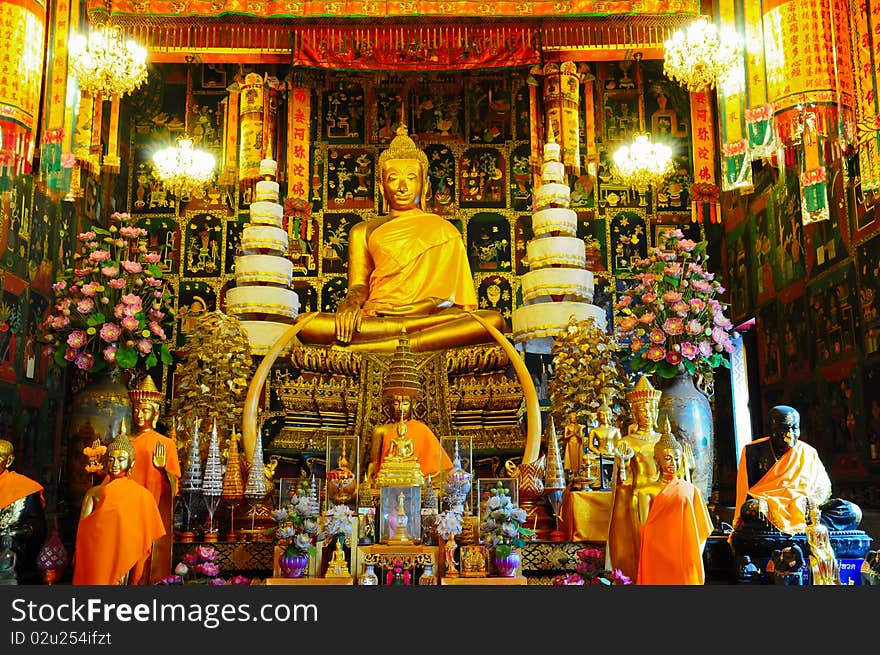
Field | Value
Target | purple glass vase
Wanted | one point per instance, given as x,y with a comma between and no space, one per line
507,565
293,565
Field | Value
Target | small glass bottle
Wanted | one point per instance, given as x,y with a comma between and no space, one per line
369,577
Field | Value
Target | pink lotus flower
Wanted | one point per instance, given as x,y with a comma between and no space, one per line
98,256
673,326
152,257
117,283
130,323
688,350
87,236
144,346
156,314
686,244
71,354
132,267
85,306
110,271
657,336
673,357
719,335
131,299
635,345
129,231
85,361
77,339
61,285
625,301
694,327
60,322
681,308
648,298
156,329
672,268
648,279
90,289
701,286
655,353
110,354
721,320
697,305
671,296
110,332
705,348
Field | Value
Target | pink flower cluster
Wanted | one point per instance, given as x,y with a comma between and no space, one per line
590,570
110,307
671,316
200,567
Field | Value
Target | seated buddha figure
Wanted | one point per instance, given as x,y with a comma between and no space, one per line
408,447
778,474
636,480
407,269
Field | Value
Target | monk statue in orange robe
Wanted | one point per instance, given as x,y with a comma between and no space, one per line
119,521
156,467
678,524
22,517
777,474
407,269
404,438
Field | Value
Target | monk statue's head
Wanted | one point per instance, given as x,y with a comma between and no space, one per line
146,401
120,454
785,428
667,453
403,170
7,454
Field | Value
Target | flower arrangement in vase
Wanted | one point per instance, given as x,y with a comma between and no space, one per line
200,567
111,308
671,317
297,529
503,530
590,570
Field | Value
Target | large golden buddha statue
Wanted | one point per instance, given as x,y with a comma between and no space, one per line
407,269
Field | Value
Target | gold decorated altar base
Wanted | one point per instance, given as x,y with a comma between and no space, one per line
468,391
487,581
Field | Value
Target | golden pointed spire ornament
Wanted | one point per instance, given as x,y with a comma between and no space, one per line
233,484
403,376
122,442
554,476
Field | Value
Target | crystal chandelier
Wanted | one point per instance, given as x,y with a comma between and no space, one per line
183,169
702,56
643,163
106,63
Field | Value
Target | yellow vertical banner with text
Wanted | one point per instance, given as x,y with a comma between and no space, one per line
298,142
756,76
866,98
230,163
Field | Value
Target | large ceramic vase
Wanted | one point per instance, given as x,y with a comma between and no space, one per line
690,417
97,410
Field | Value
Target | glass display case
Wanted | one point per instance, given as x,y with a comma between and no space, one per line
342,466
465,456
400,515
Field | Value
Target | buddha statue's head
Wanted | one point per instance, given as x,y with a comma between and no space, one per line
403,171
6,454
604,414
644,401
146,401
120,454
667,453
785,428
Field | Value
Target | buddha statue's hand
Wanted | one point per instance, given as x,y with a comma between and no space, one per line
624,453
159,457
348,320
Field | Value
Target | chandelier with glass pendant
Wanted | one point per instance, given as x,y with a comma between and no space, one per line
183,169
643,163
107,63
701,56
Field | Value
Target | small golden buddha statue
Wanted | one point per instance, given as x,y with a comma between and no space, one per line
601,444
407,269
400,467
573,437
824,567
338,565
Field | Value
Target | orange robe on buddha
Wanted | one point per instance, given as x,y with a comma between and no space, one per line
673,537
426,447
799,473
418,257
118,535
156,481
15,486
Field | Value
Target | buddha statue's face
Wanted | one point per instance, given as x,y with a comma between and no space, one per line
402,183
144,415
642,415
401,407
668,462
118,463
785,428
